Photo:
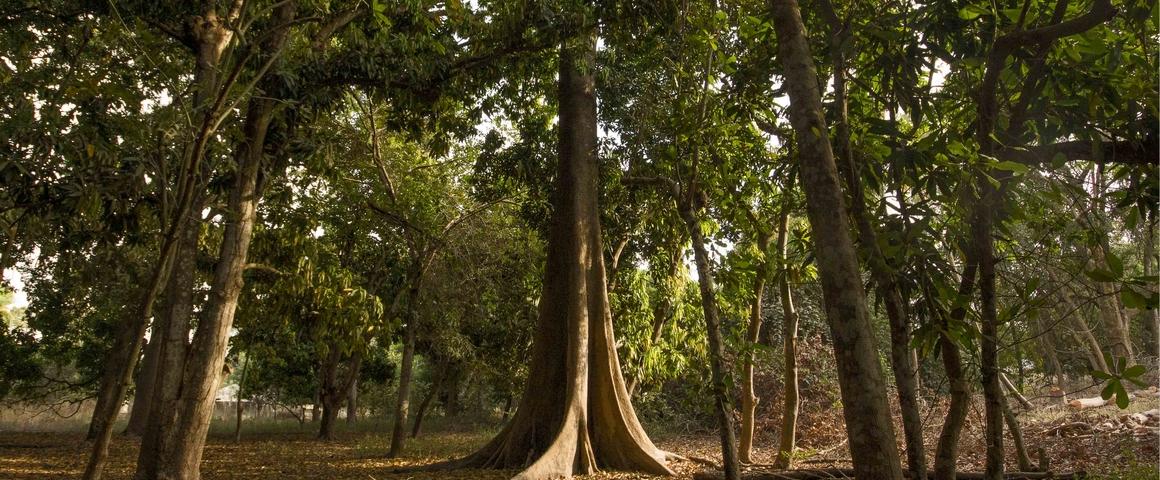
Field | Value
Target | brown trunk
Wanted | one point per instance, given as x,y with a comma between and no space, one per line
867,413
719,371
789,413
575,415
403,395
172,329
905,373
1016,435
1110,314
143,393
1151,318
748,395
947,452
238,401
352,400
1070,311
418,425
207,351
330,394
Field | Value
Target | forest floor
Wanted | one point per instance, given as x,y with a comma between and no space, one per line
1106,447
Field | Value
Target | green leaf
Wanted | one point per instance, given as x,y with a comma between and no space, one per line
1109,389
1133,371
1100,275
1122,398
971,12
1013,167
1115,263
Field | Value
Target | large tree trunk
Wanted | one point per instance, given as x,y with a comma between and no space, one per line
575,415
867,413
789,318
171,330
717,367
206,356
752,335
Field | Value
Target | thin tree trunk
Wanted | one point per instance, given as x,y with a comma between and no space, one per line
238,400
435,387
143,393
748,395
866,411
946,453
403,395
718,369
1012,421
789,413
352,401
329,393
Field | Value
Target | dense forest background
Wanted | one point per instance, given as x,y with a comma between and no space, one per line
821,238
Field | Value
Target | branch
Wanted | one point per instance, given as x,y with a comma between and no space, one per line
263,267
1122,152
674,188
332,25
1102,11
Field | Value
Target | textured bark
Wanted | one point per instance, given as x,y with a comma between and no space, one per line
719,370
867,414
172,328
905,372
575,415
787,441
947,451
206,356
1108,302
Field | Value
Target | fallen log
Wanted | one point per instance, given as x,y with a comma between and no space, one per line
848,473
1082,403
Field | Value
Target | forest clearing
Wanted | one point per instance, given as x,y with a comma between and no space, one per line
539,239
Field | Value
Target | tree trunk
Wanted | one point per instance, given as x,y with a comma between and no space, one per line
207,351
1069,310
720,371
435,387
947,451
238,401
330,394
1151,317
352,401
748,396
403,395
172,331
867,413
789,413
576,414
905,373
143,394
1016,435
1109,306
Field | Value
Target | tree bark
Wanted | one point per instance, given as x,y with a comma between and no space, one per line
789,414
206,355
403,395
172,329
946,453
749,397
867,414
352,400
575,415
143,393
719,370
435,387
